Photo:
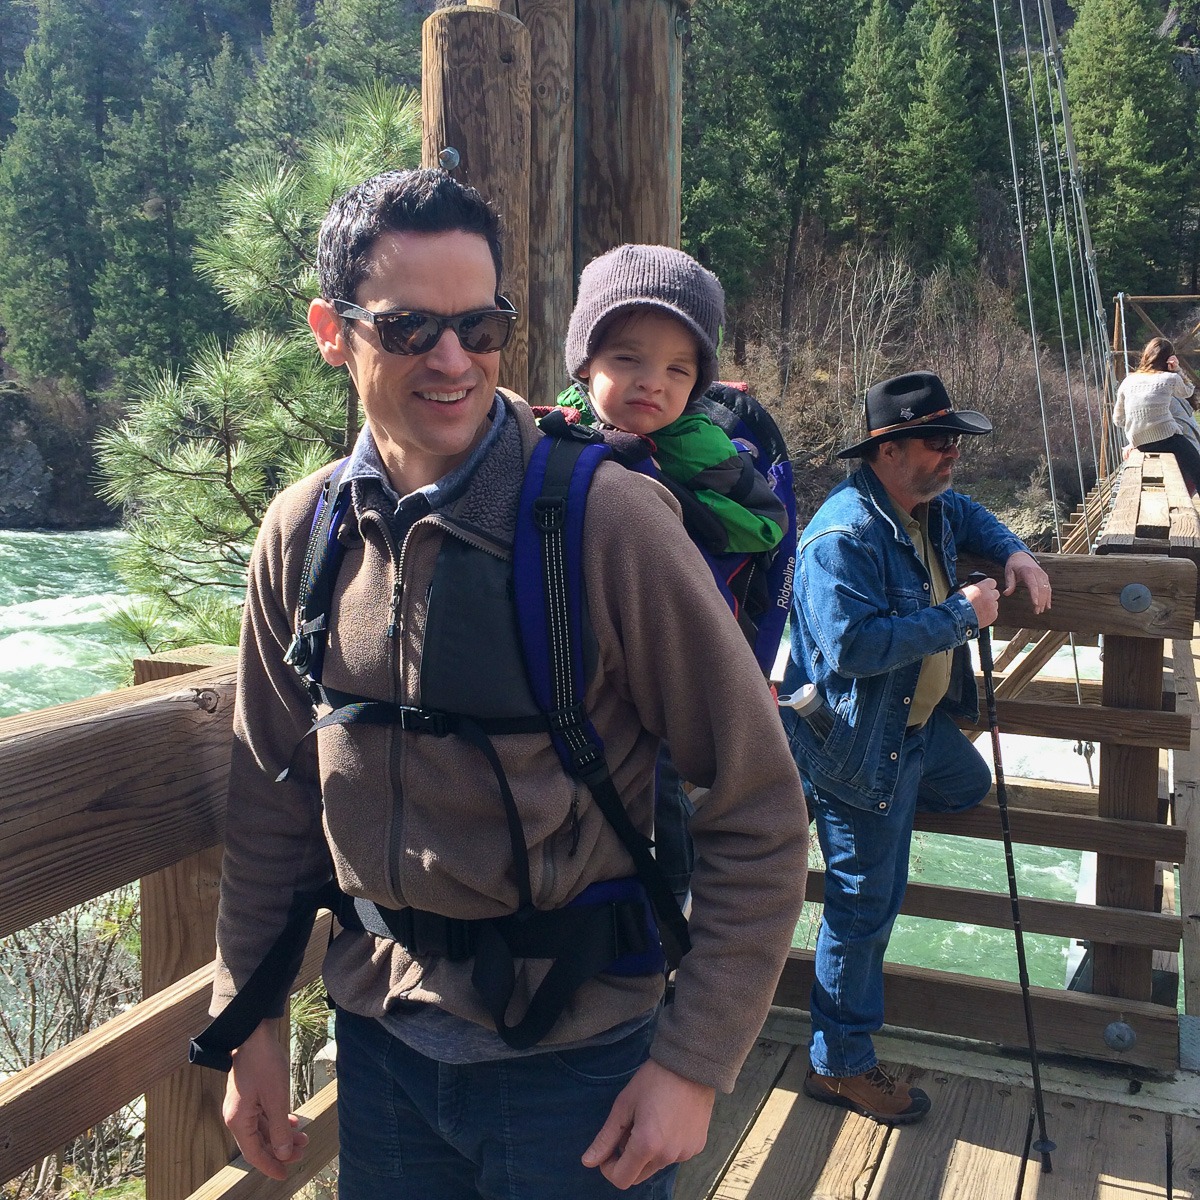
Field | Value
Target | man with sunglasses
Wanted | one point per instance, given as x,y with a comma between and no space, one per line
880,624
432,1101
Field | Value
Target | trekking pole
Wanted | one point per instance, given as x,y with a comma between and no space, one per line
1043,1145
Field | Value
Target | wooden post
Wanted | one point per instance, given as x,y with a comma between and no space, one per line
551,25
475,98
1133,678
628,124
186,1140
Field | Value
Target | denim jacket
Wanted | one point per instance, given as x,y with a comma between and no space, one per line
862,622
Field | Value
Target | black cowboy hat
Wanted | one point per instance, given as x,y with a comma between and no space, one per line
912,405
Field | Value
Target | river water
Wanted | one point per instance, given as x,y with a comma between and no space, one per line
56,589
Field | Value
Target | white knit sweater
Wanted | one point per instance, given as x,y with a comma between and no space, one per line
1144,405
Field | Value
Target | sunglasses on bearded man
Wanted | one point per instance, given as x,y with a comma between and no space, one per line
409,331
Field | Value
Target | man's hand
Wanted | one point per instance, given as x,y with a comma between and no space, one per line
659,1118
984,597
256,1104
1023,569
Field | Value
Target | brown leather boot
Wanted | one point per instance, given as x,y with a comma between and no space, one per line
874,1094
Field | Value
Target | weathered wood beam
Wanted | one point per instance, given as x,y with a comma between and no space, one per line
1047,795
1146,841
186,1141
628,124
551,25
1104,724
475,92
991,1011
1087,594
1186,801
1058,918
240,1181
97,792
44,1106
1133,674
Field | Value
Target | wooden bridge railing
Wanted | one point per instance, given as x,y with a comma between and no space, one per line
1134,603
126,786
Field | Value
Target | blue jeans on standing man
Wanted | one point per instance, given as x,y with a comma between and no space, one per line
508,1129
866,872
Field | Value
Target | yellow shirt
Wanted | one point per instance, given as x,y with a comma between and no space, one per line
935,668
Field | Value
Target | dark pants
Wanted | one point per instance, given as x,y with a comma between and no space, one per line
1186,455
412,1128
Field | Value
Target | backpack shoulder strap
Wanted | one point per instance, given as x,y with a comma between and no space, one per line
548,583
322,559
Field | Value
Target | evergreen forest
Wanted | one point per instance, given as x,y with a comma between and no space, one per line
872,180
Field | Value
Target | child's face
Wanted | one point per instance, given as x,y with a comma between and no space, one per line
641,377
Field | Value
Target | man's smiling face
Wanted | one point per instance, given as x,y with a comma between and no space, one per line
426,411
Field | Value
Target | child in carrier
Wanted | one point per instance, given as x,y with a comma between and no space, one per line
641,350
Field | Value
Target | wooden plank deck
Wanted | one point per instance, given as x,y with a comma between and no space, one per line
1116,1136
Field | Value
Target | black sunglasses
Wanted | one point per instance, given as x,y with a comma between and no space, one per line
939,445
406,331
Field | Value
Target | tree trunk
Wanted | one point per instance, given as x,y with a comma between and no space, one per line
787,304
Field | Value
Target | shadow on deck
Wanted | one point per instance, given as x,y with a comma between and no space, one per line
1115,1135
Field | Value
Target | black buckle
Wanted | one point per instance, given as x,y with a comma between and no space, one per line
583,433
549,515
588,760
566,718
299,653
424,720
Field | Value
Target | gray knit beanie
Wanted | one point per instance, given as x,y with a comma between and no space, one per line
632,277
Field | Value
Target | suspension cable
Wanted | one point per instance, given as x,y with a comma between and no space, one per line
1058,304
1037,366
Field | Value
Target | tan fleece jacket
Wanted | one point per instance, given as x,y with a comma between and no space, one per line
410,819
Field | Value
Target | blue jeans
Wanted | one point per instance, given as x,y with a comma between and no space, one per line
866,872
512,1129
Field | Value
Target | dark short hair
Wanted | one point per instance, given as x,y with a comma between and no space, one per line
417,201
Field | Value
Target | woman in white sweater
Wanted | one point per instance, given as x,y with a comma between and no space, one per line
1144,408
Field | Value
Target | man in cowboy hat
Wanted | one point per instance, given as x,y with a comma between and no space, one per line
880,626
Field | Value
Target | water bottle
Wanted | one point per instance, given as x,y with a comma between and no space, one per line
811,706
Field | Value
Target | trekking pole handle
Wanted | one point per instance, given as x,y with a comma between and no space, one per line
985,632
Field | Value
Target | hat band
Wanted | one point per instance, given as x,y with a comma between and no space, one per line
933,416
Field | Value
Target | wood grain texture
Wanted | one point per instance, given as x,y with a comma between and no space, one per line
1185,1166
990,1010
240,1181
551,25
1143,840
733,1116
628,124
1128,790
43,1107
1186,804
1059,918
1087,591
97,793
970,1147
1104,1152
799,1148
475,94
1112,724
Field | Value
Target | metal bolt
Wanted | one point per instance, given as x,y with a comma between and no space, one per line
1135,597
449,158
1119,1036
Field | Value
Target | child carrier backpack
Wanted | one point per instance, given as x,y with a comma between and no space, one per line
757,587
624,926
